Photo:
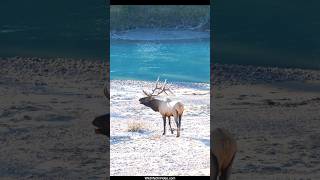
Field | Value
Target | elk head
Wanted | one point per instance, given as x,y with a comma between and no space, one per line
149,99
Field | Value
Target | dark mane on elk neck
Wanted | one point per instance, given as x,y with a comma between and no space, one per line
102,124
152,103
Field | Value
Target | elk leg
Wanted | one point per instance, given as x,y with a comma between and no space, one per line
164,125
214,170
177,123
180,122
170,125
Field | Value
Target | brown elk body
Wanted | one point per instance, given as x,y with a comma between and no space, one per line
166,108
223,151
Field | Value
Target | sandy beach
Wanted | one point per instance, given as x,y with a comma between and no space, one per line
274,114
47,106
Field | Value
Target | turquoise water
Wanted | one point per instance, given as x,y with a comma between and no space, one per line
73,28
267,33
172,59
250,32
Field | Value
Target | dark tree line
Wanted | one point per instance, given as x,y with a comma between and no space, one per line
181,17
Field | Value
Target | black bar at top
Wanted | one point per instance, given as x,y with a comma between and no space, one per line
160,2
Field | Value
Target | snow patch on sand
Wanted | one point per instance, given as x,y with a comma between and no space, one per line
148,152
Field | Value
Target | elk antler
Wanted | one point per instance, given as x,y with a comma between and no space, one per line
161,89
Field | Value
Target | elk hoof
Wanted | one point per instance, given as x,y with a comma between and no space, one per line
163,133
178,135
171,132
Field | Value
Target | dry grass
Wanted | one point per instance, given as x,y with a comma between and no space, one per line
135,127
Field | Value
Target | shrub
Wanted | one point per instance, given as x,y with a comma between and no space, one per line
135,127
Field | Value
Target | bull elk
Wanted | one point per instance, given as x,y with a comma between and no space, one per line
166,108
103,122
223,152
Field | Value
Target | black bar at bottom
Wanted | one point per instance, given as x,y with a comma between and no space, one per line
159,177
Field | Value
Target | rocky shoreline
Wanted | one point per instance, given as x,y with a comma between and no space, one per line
26,68
240,74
